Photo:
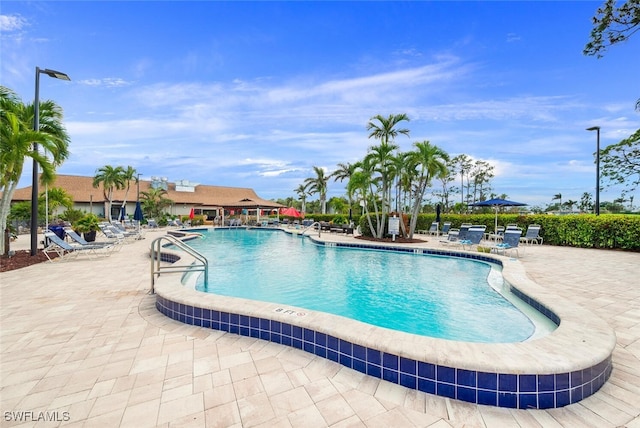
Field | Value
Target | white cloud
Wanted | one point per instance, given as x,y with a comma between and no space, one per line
11,23
113,82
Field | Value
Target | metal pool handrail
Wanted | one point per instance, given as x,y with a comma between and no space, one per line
310,226
200,264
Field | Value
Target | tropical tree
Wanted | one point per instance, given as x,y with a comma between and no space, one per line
318,184
359,186
57,197
111,178
558,197
18,142
481,175
621,162
301,191
613,25
586,202
154,201
344,172
463,165
381,162
430,161
128,175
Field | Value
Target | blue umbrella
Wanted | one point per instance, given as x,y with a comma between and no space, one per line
137,215
123,213
497,203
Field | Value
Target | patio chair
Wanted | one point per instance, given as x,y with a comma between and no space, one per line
79,240
65,251
445,228
434,229
533,235
509,242
473,237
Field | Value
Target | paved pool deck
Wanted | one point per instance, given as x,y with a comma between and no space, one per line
82,342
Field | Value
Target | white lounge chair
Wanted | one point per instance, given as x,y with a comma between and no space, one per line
509,242
65,251
533,235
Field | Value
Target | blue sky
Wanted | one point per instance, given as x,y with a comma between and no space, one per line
254,94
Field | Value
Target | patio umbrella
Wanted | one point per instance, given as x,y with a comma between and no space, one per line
291,212
123,213
137,215
497,203
438,209
191,214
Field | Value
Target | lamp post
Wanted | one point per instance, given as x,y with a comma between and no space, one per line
597,129
34,180
138,187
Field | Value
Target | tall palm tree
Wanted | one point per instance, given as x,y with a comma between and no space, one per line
380,161
111,178
344,172
430,162
128,175
558,196
385,129
301,191
17,139
318,184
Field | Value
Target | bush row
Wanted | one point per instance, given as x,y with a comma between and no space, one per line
610,231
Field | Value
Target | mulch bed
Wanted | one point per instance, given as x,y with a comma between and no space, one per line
22,258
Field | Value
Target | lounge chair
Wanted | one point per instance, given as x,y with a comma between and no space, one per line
79,240
434,229
452,236
446,226
533,235
473,237
65,251
509,242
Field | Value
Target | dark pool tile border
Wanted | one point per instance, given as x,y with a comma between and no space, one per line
522,391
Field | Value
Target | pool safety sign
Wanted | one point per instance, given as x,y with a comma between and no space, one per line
394,226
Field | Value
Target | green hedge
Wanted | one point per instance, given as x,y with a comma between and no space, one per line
610,231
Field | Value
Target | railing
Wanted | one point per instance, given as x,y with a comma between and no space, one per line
310,226
200,263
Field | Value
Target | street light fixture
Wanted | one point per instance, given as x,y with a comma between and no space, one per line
597,129
34,180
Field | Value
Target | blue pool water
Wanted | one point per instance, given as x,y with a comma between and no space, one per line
442,297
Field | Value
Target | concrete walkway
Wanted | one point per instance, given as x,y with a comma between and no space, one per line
82,343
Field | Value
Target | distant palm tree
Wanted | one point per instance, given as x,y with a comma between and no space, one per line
556,197
430,161
154,201
128,175
344,172
111,178
301,191
318,184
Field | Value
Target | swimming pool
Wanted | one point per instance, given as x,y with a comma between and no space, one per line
443,297
557,369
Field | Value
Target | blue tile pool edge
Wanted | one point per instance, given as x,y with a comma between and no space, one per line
521,391
509,390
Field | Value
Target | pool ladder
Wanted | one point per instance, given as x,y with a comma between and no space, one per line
200,264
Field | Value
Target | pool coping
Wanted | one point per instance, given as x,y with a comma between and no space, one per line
560,368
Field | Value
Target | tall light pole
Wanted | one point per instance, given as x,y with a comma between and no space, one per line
34,180
597,129
138,189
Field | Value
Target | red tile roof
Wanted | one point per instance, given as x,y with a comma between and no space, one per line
82,191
